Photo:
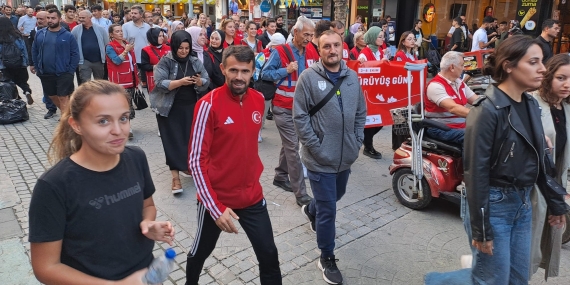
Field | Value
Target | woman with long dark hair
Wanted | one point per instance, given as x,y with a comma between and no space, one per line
505,154
11,39
406,48
251,38
179,80
92,215
151,54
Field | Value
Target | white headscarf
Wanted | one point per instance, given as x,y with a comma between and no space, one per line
196,47
276,39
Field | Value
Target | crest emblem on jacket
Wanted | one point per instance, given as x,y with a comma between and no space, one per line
322,85
256,117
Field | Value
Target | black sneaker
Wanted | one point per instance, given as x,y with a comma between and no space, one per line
372,153
311,218
331,274
29,98
269,115
49,114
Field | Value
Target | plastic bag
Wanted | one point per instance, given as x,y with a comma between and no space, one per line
13,111
8,90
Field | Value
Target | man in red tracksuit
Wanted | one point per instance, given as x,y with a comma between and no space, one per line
226,168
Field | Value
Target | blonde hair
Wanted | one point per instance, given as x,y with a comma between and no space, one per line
65,140
358,35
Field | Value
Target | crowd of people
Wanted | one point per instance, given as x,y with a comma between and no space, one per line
198,80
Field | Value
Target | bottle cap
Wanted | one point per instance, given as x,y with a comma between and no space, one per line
170,253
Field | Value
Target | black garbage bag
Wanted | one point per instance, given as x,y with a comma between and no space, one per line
13,111
8,90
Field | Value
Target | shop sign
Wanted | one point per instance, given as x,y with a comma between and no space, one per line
527,14
385,87
265,6
313,13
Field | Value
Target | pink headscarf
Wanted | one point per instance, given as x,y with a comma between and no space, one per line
196,47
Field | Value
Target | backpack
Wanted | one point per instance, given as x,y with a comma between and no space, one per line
12,56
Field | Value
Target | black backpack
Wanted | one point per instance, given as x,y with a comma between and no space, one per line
12,56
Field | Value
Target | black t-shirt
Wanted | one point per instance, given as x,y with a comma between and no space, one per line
559,119
546,48
458,38
186,94
96,214
522,111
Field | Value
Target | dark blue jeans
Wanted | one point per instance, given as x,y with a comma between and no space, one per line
49,103
327,188
454,135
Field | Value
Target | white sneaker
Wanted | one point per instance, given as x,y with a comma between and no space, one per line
259,138
159,133
466,261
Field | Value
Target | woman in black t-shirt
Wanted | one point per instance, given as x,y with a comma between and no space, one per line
92,216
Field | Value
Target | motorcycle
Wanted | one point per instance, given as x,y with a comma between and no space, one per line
424,168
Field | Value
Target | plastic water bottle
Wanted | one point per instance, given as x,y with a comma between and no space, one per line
160,268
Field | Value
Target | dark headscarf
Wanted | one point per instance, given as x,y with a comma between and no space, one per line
178,38
217,52
152,36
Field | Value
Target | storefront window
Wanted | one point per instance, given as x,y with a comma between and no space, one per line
473,10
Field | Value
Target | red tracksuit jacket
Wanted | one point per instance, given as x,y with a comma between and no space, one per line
223,155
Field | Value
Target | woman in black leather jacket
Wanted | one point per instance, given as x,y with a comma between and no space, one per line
505,154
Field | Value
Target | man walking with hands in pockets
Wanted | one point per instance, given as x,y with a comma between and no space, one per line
329,113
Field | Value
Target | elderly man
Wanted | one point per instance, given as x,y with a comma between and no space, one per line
447,96
98,18
284,66
91,40
27,23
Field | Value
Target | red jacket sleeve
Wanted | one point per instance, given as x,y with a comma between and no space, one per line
199,157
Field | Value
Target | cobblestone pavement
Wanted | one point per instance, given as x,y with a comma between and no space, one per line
378,240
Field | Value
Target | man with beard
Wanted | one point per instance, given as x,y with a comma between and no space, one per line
280,29
230,113
41,17
56,56
550,30
285,64
91,40
328,160
134,32
8,14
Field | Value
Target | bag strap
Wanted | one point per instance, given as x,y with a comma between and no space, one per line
325,100
155,53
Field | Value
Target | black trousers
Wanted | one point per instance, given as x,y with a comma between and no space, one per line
255,222
19,76
369,135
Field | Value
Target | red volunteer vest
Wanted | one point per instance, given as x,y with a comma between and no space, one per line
355,52
345,51
459,98
258,45
286,91
367,52
123,74
311,55
154,54
401,56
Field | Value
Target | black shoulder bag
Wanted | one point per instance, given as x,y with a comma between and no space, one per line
325,100
267,87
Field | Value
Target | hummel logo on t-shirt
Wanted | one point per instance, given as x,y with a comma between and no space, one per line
229,121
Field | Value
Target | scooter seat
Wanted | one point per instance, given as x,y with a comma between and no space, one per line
446,146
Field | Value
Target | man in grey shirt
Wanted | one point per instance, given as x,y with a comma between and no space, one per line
134,32
330,140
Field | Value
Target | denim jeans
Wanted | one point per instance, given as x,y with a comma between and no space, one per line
327,188
510,214
511,220
49,103
454,135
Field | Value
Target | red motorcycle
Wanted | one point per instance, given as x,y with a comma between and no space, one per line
424,168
